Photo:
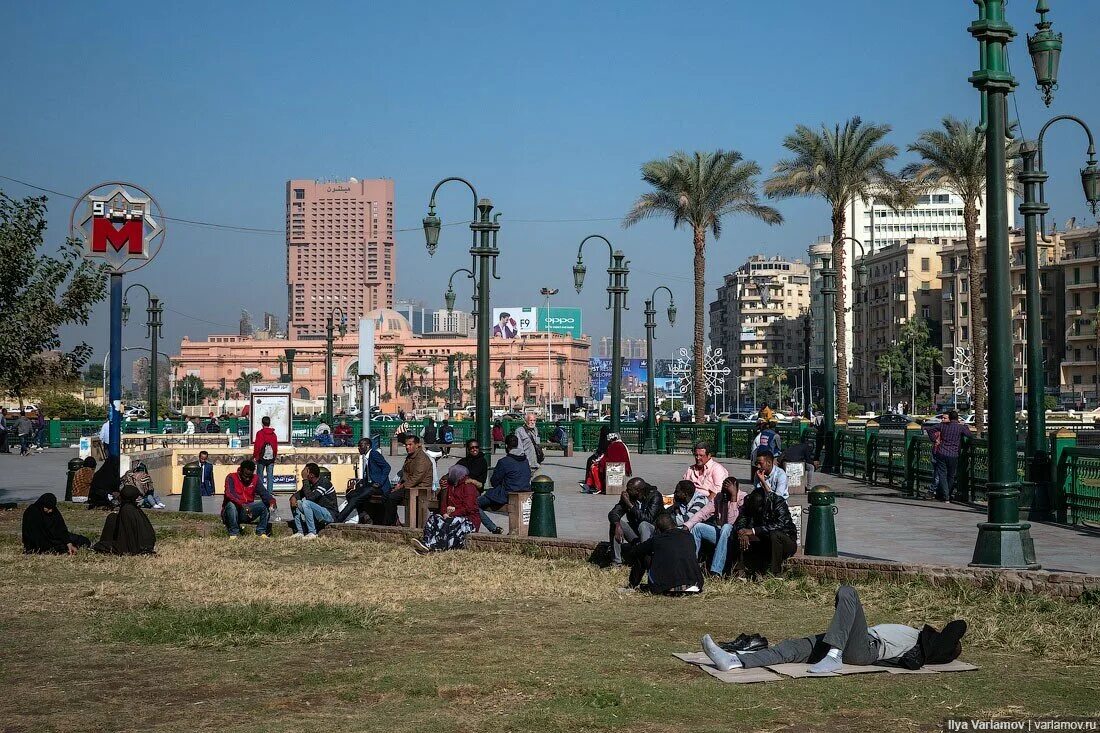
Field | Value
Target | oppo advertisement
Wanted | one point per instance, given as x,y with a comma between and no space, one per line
510,323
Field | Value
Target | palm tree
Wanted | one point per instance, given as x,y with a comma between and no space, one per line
244,382
839,164
385,359
526,377
398,350
500,387
698,190
432,362
954,158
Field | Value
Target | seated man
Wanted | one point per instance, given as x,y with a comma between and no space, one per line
634,517
239,502
314,503
669,555
801,452
714,523
417,472
847,641
686,501
766,535
770,476
373,478
343,434
511,474
324,439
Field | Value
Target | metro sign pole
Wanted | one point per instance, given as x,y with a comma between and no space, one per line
123,225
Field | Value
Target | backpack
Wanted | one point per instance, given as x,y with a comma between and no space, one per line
268,453
449,435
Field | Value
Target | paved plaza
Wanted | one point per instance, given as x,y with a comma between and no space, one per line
872,522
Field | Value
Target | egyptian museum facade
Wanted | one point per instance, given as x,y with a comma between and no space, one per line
401,358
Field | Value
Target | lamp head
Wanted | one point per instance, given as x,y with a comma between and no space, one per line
1045,48
672,314
1090,182
449,298
861,276
125,311
432,226
343,326
578,275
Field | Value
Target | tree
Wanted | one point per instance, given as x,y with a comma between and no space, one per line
954,158
433,361
526,377
244,382
385,360
775,389
40,293
898,363
500,387
698,190
93,375
838,165
191,390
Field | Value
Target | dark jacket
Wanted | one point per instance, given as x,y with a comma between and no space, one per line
477,466
321,493
645,509
417,470
511,474
673,563
775,516
45,531
128,531
378,471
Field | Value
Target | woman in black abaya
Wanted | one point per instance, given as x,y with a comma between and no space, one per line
127,531
103,492
44,529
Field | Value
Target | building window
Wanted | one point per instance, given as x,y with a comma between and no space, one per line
299,193
925,265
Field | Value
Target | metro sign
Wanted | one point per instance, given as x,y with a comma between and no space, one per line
119,226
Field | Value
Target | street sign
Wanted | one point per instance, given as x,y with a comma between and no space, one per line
120,223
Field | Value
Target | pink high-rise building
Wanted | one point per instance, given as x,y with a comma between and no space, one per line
339,251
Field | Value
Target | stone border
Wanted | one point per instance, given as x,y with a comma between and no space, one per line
1069,586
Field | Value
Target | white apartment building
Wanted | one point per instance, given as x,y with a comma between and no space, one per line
453,322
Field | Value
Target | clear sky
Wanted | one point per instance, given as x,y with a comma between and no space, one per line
548,107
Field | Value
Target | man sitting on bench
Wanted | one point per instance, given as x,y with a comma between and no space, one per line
846,641
417,472
313,504
511,474
374,478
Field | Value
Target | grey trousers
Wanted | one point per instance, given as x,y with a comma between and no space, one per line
847,632
630,534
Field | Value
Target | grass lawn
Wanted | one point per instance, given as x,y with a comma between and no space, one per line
337,635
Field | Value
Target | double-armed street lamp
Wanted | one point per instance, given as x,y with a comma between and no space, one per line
548,293
330,326
651,391
483,250
153,324
1034,209
449,298
1003,540
617,271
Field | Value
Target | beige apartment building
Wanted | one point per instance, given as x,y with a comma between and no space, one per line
760,319
1080,267
902,283
339,252
958,325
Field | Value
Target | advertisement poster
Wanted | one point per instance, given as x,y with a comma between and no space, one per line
635,372
509,323
565,321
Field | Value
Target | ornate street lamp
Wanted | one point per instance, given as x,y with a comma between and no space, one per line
828,300
329,339
617,272
484,251
153,323
449,297
1034,209
1045,48
651,391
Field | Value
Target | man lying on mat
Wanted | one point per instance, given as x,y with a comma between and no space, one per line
849,641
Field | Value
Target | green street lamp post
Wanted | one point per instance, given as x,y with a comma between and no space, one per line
1034,209
617,272
860,272
828,301
153,324
651,390
484,251
329,339
449,298
1003,540
450,386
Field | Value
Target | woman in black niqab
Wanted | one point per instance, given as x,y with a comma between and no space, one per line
127,531
104,485
44,529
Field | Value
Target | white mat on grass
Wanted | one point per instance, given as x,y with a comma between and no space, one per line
800,670
736,676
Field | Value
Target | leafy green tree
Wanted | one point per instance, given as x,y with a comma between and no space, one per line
897,363
40,293
93,375
839,164
244,382
775,388
699,190
191,390
526,377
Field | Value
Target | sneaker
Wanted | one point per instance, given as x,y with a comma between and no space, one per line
420,547
159,505
297,536
234,536
497,530
311,536
263,536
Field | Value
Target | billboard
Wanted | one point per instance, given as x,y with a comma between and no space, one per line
508,323
748,333
634,374
564,321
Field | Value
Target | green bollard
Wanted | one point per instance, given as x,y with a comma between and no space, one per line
191,498
543,523
75,464
820,528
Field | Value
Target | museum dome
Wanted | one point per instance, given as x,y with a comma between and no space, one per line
387,320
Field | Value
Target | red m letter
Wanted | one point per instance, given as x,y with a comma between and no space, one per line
131,235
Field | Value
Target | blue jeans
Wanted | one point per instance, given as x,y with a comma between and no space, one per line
309,513
939,481
150,500
713,536
483,503
232,518
266,472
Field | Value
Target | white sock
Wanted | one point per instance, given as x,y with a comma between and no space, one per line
834,653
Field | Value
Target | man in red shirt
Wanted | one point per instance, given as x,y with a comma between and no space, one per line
265,448
240,504
343,434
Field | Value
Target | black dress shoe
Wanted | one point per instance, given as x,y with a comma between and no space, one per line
754,644
735,645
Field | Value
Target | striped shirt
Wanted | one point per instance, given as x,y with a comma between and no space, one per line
950,437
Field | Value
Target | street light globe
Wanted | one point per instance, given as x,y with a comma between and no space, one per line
449,298
672,314
1045,48
1090,182
578,275
432,226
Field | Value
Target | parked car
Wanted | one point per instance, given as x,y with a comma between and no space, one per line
891,420
385,418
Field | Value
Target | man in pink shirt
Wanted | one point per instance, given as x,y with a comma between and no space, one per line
706,474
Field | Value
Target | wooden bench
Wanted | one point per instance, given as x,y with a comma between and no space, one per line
567,449
422,500
437,447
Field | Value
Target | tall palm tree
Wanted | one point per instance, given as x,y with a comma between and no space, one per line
698,190
433,361
386,359
954,158
526,377
244,382
500,386
839,164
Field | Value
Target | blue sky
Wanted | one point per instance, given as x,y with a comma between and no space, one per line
548,107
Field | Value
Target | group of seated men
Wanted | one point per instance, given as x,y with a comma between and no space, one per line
711,522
